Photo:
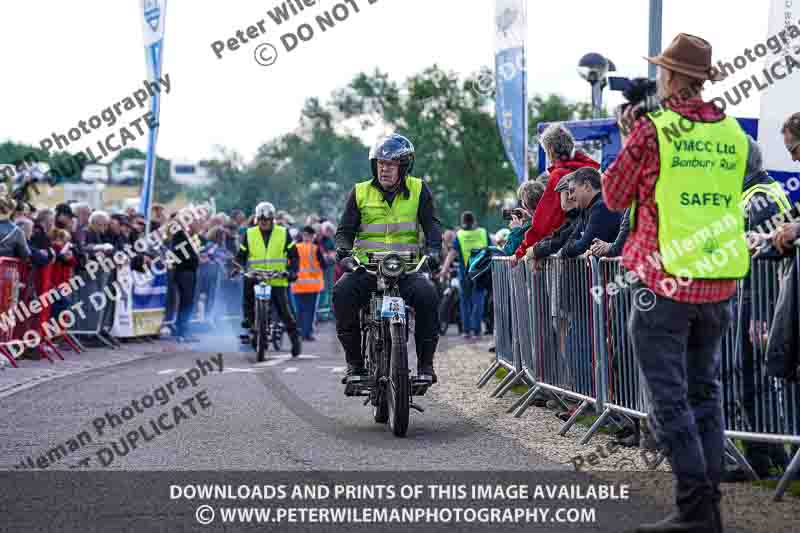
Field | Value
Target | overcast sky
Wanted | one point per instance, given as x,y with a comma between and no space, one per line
65,61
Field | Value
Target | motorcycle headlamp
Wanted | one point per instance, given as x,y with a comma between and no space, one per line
392,266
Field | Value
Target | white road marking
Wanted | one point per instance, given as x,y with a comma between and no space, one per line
334,369
167,371
290,370
230,369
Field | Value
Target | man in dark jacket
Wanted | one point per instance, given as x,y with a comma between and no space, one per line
600,248
184,246
596,221
763,198
554,242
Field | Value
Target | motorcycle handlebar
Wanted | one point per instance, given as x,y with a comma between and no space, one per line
352,264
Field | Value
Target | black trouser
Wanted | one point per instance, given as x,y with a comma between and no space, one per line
184,285
352,292
280,299
678,346
759,454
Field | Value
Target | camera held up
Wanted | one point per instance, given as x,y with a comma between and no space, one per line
639,92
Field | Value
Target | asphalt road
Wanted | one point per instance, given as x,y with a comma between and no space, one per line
283,414
286,414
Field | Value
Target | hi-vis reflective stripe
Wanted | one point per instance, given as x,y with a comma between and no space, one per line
306,280
388,228
374,245
266,261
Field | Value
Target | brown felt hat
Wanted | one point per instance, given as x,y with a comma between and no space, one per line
689,55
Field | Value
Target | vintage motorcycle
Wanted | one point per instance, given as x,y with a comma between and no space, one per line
267,328
388,385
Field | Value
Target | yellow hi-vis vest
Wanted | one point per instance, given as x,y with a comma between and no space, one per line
773,190
309,277
471,239
383,227
699,195
269,257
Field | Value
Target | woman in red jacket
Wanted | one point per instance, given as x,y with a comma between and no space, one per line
559,145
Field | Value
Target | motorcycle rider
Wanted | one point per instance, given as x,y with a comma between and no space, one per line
267,246
384,214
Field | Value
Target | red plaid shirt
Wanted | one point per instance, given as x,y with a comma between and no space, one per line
633,176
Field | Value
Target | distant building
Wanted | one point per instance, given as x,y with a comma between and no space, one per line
192,174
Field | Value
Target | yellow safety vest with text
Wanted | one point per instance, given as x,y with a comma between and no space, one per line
271,256
698,195
387,227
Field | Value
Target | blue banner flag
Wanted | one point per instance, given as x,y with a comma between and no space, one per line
153,14
511,96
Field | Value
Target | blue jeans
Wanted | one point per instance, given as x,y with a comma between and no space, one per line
678,346
306,309
472,304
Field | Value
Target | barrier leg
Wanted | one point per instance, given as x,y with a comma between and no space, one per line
42,352
105,341
506,384
488,374
8,356
70,340
114,342
527,403
791,471
52,347
522,399
597,423
739,457
568,424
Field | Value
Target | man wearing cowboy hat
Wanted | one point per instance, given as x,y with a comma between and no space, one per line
681,172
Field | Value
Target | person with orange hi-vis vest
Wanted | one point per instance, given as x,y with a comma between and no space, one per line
310,282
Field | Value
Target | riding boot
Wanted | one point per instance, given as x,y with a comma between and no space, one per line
426,348
694,513
351,342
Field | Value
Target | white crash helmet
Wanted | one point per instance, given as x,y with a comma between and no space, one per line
265,210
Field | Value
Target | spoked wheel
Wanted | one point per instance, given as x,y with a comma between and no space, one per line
398,390
277,338
380,410
261,332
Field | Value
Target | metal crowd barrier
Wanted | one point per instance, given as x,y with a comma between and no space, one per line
556,334
501,288
95,323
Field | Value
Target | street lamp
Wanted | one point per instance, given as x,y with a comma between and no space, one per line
593,68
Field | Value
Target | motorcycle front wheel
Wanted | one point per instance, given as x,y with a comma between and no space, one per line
398,390
261,331
380,411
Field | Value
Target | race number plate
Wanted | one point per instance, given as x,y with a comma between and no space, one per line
263,292
393,307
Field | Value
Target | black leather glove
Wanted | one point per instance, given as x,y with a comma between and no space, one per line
291,276
341,253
